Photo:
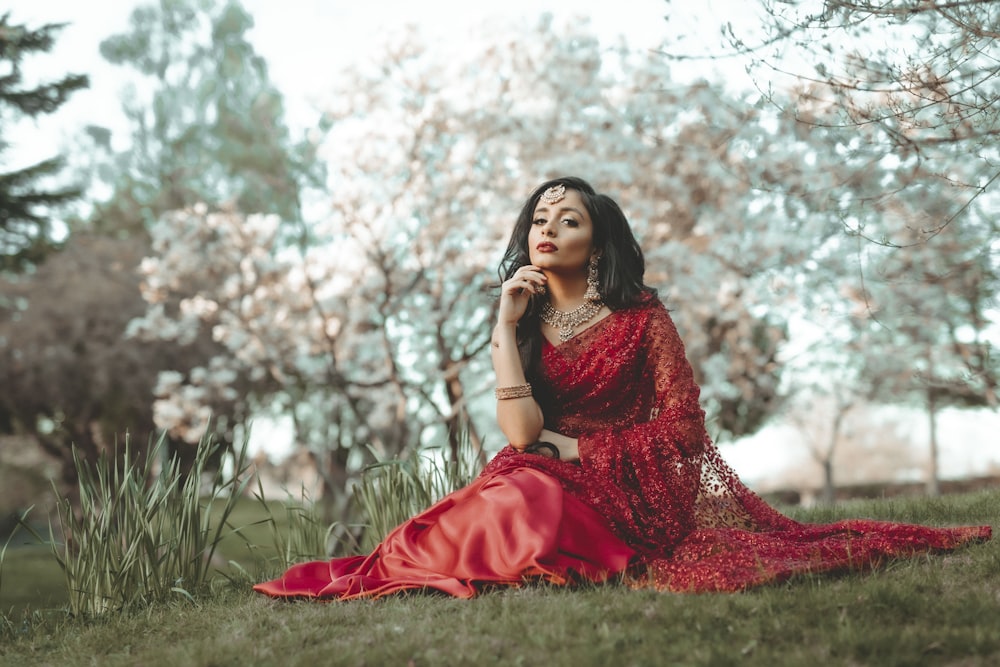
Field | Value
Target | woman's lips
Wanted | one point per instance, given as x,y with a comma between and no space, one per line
546,247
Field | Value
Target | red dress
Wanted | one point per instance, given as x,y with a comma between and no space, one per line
650,496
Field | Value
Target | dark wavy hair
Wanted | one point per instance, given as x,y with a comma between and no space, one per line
621,265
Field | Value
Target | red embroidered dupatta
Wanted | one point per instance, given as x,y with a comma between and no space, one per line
625,388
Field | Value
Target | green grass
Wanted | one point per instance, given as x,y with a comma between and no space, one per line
32,579
933,610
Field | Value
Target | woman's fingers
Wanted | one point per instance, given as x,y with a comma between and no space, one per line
532,272
514,294
528,277
521,285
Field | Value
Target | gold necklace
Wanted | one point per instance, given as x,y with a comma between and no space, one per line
567,321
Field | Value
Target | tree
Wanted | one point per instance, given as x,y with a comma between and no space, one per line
905,322
907,91
374,333
275,318
820,414
853,440
26,198
912,84
932,310
206,122
68,376
210,130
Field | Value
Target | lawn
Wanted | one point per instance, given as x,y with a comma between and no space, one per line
932,610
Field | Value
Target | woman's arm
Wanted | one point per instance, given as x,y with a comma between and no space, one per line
520,419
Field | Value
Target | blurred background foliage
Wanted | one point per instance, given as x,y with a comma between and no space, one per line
216,266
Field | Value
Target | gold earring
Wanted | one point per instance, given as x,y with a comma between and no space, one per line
593,280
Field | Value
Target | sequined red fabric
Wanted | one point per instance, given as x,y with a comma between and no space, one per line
650,497
625,388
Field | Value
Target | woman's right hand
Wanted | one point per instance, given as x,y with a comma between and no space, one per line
517,292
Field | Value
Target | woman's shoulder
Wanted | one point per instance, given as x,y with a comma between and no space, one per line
648,317
645,304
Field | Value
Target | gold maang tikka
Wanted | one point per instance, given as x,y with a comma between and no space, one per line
554,194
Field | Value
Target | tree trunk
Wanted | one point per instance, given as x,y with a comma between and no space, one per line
933,488
829,490
460,424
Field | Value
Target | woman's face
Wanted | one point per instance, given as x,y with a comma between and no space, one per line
561,238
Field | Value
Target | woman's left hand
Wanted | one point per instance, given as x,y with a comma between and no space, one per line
566,445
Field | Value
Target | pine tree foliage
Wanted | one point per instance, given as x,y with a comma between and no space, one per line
26,195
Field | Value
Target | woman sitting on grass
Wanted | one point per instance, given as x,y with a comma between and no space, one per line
609,470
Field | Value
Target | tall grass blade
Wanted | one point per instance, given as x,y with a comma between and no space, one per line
300,533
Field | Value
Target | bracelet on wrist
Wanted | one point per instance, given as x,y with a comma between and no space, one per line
551,451
514,391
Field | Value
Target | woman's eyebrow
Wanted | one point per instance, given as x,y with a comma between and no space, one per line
545,209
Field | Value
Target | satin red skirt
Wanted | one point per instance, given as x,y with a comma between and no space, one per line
505,528
518,524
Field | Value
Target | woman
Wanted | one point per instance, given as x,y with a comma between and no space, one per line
609,470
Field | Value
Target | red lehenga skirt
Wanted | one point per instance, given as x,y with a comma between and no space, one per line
507,528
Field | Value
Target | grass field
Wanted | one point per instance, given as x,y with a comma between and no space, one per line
932,610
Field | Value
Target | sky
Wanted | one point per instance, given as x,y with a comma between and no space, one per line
298,36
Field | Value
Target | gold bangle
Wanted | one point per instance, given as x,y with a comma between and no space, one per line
516,391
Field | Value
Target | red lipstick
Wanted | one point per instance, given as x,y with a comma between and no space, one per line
546,246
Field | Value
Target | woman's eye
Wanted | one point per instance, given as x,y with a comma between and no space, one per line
539,221
569,222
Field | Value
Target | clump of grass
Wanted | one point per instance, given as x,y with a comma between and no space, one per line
299,532
391,491
142,535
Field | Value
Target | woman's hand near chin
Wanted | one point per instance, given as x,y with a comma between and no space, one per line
515,293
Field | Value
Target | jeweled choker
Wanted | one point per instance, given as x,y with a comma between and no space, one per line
566,322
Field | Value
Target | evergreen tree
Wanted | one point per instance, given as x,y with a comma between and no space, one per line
206,124
25,200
